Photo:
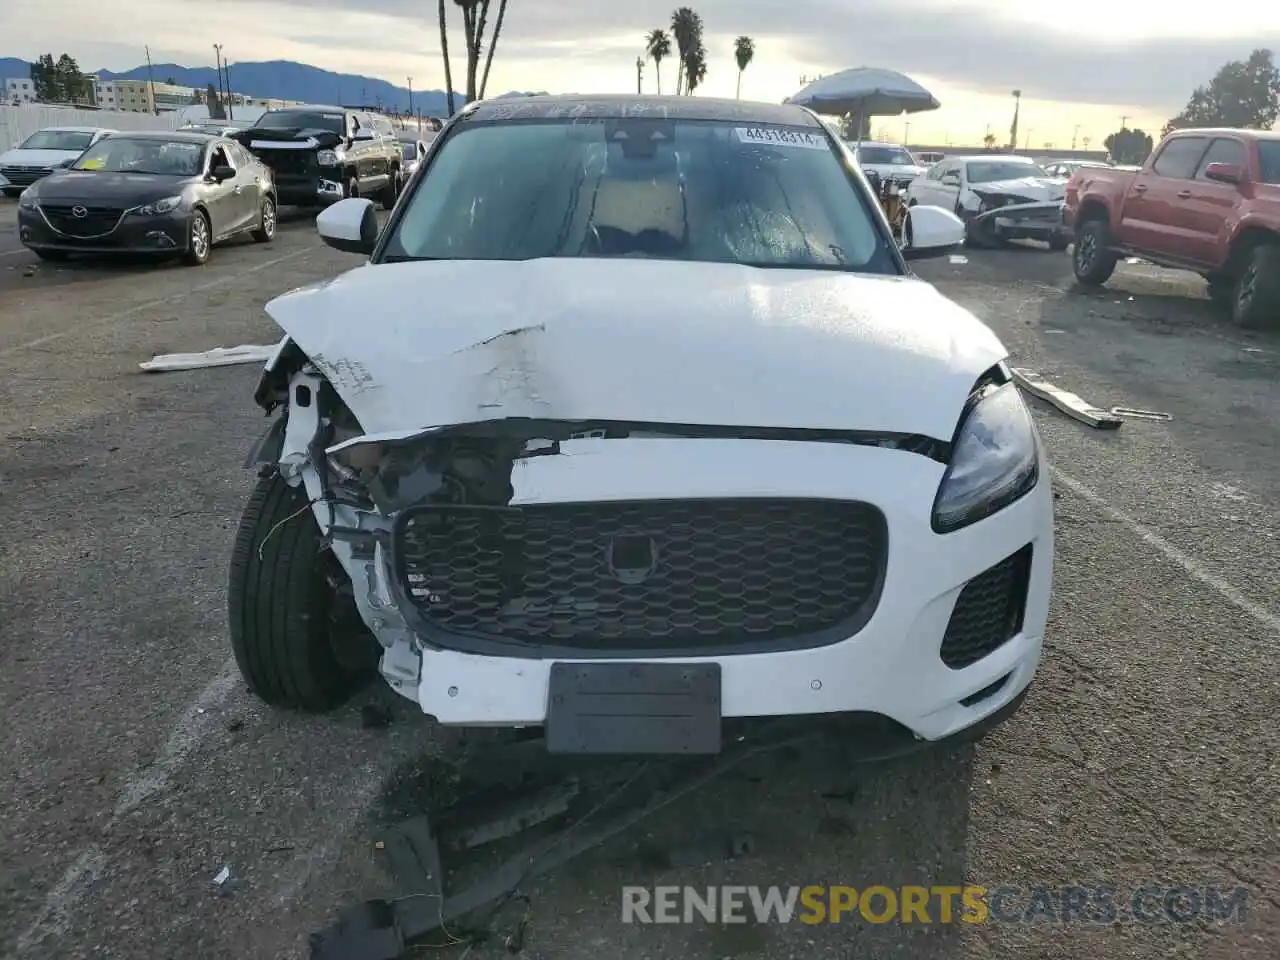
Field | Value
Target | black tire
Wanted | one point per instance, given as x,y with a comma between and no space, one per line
388,195
53,256
266,231
1256,300
1093,261
297,639
198,246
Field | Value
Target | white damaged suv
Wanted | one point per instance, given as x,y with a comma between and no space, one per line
677,437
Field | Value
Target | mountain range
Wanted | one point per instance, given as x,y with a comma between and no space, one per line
283,79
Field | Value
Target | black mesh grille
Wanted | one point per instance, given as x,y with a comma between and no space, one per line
24,176
95,221
988,612
655,574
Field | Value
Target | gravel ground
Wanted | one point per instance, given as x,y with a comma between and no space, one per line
138,767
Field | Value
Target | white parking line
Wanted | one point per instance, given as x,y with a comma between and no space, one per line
12,253
1193,567
125,314
197,721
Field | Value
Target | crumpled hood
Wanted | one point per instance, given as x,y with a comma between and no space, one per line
1033,188
36,158
639,340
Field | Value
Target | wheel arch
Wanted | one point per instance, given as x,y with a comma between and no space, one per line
1248,237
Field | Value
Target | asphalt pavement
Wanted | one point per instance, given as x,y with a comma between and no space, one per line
137,768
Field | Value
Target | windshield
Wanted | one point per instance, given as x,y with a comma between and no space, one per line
174,158
57,140
889,156
1269,161
708,191
302,120
989,171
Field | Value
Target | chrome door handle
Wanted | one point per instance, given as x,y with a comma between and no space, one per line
1139,188
1183,194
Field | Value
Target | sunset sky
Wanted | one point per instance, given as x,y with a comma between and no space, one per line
1082,65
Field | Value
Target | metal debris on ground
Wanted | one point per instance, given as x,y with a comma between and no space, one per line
217,357
223,876
1130,413
958,258
1069,403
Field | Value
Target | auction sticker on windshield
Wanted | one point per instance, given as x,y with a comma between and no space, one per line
782,138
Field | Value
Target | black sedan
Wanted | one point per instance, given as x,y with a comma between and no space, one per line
167,194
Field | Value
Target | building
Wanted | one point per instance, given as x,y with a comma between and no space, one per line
129,96
20,90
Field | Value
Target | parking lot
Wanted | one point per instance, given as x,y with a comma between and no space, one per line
138,767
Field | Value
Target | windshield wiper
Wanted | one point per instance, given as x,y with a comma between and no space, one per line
406,258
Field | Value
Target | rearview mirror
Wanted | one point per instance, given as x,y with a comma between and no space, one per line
1224,172
930,232
350,225
222,174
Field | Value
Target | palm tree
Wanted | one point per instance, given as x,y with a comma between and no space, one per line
744,49
695,70
493,45
658,46
989,141
686,27
444,52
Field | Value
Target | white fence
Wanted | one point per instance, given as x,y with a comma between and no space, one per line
18,123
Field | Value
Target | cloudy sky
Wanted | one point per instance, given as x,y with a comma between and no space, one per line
1081,64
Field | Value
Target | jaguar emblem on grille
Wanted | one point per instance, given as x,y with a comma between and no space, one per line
632,559
79,212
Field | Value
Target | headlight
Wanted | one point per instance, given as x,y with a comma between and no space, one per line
167,205
994,462
330,158
27,199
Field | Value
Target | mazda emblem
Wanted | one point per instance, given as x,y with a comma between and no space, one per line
79,212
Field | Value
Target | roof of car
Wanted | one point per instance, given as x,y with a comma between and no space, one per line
618,106
72,129
308,106
193,136
876,143
990,156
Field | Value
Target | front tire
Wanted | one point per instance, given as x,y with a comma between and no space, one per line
1093,261
297,638
266,231
388,194
1256,300
199,240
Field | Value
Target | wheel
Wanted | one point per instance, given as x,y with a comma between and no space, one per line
388,194
1256,301
266,222
1059,243
199,240
1093,261
54,256
295,631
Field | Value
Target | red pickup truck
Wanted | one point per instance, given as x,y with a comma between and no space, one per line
1205,200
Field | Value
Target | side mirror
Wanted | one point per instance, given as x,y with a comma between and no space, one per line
951,179
1224,173
222,174
350,225
364,133
930,232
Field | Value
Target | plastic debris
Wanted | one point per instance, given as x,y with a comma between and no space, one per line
959,258
217,357
223,876
1132,414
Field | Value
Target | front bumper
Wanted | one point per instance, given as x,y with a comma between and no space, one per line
315,187
164,234
891,667
1023,221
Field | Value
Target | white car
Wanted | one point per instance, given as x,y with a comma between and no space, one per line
888,161
40,153
1000,197
678,437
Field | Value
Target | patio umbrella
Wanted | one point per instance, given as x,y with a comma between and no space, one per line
866,92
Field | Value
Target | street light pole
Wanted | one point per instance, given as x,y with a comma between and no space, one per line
217,59
1074,134
231,100
639,75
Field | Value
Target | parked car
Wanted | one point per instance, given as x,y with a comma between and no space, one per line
413,152
165,194
322,154
999,197
38,155
890,162
1205,200
1065,168
680,420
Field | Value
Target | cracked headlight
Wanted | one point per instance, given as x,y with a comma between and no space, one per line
167,205
330,158
994,462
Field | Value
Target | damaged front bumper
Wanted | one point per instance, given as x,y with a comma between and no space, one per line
933,632
1023,221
